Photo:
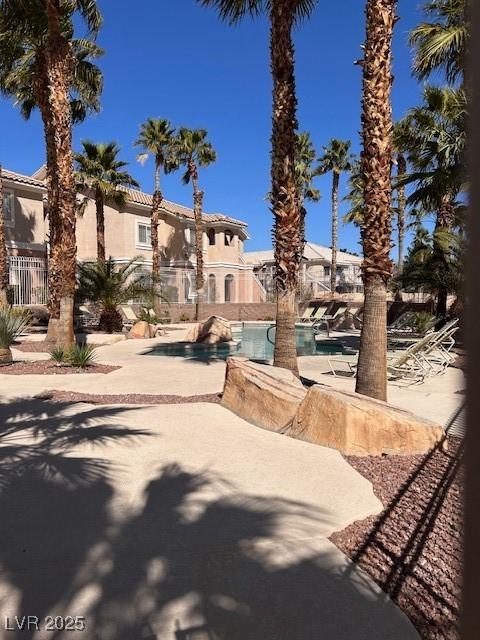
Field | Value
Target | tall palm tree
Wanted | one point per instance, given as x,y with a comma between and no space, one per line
337,159
355,196
286,211
441,44
3,252
37,49
98,169
434,137
156,137
304,175
376,161
192,150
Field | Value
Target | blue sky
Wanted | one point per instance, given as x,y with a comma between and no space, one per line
176,60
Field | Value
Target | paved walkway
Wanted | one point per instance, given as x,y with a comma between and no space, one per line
155,521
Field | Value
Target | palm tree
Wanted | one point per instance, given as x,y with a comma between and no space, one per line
286,211
98,169
192,150
434,138
336,158
442,43
110,284
305,173
377,188
156,137
3,252
38,67
355,196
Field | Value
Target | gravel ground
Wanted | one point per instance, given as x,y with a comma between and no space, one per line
413,550
48,367
134,398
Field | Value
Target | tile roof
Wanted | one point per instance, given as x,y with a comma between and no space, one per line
312,252
139,197
22,179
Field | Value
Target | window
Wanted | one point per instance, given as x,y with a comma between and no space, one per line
326,271
211,237
8,208
229,282
228,238
211,288
144,235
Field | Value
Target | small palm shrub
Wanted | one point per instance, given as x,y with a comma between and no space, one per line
110,285
421,321
12,323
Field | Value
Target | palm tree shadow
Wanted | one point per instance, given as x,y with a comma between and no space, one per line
42,488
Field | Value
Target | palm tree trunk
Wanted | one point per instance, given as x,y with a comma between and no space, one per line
376,167
60,182
444,222
333,268
287,216
155,221
401,204
197,210
3,252
100,212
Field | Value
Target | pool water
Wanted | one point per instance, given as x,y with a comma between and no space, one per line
253,341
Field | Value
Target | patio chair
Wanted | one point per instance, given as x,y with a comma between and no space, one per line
129,315
400,323
307,314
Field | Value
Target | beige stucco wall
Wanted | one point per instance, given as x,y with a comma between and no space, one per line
29,223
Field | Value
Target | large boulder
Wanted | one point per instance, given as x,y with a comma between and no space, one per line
267,396
142,330
194,332
361,426
215,330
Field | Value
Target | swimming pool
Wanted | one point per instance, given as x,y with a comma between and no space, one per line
251,340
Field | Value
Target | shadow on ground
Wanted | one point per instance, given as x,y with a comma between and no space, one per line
184,566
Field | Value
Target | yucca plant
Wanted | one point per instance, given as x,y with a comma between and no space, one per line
12,323
81,355
58,355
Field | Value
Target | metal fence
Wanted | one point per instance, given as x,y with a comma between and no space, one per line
28,280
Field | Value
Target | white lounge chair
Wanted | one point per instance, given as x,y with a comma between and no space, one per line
130,317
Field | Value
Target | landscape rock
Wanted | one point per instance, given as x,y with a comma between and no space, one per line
215,330
142,330
267,396
194,332
360,426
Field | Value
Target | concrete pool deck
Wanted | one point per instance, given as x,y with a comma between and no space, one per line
167,521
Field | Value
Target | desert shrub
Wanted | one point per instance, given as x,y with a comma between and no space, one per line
421,321
184,318
58,354
81,355
269,318
12,323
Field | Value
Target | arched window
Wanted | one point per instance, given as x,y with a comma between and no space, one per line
229,291
211,288
211,236
228,235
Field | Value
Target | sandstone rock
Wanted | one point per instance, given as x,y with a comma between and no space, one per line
265,395
193,333
215,330
141,330
360,426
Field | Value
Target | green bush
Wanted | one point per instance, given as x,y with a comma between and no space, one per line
421,321
58,354
80,355
269,318
12,323
184,318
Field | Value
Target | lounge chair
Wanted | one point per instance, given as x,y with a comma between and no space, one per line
129,315
307,314
426,357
